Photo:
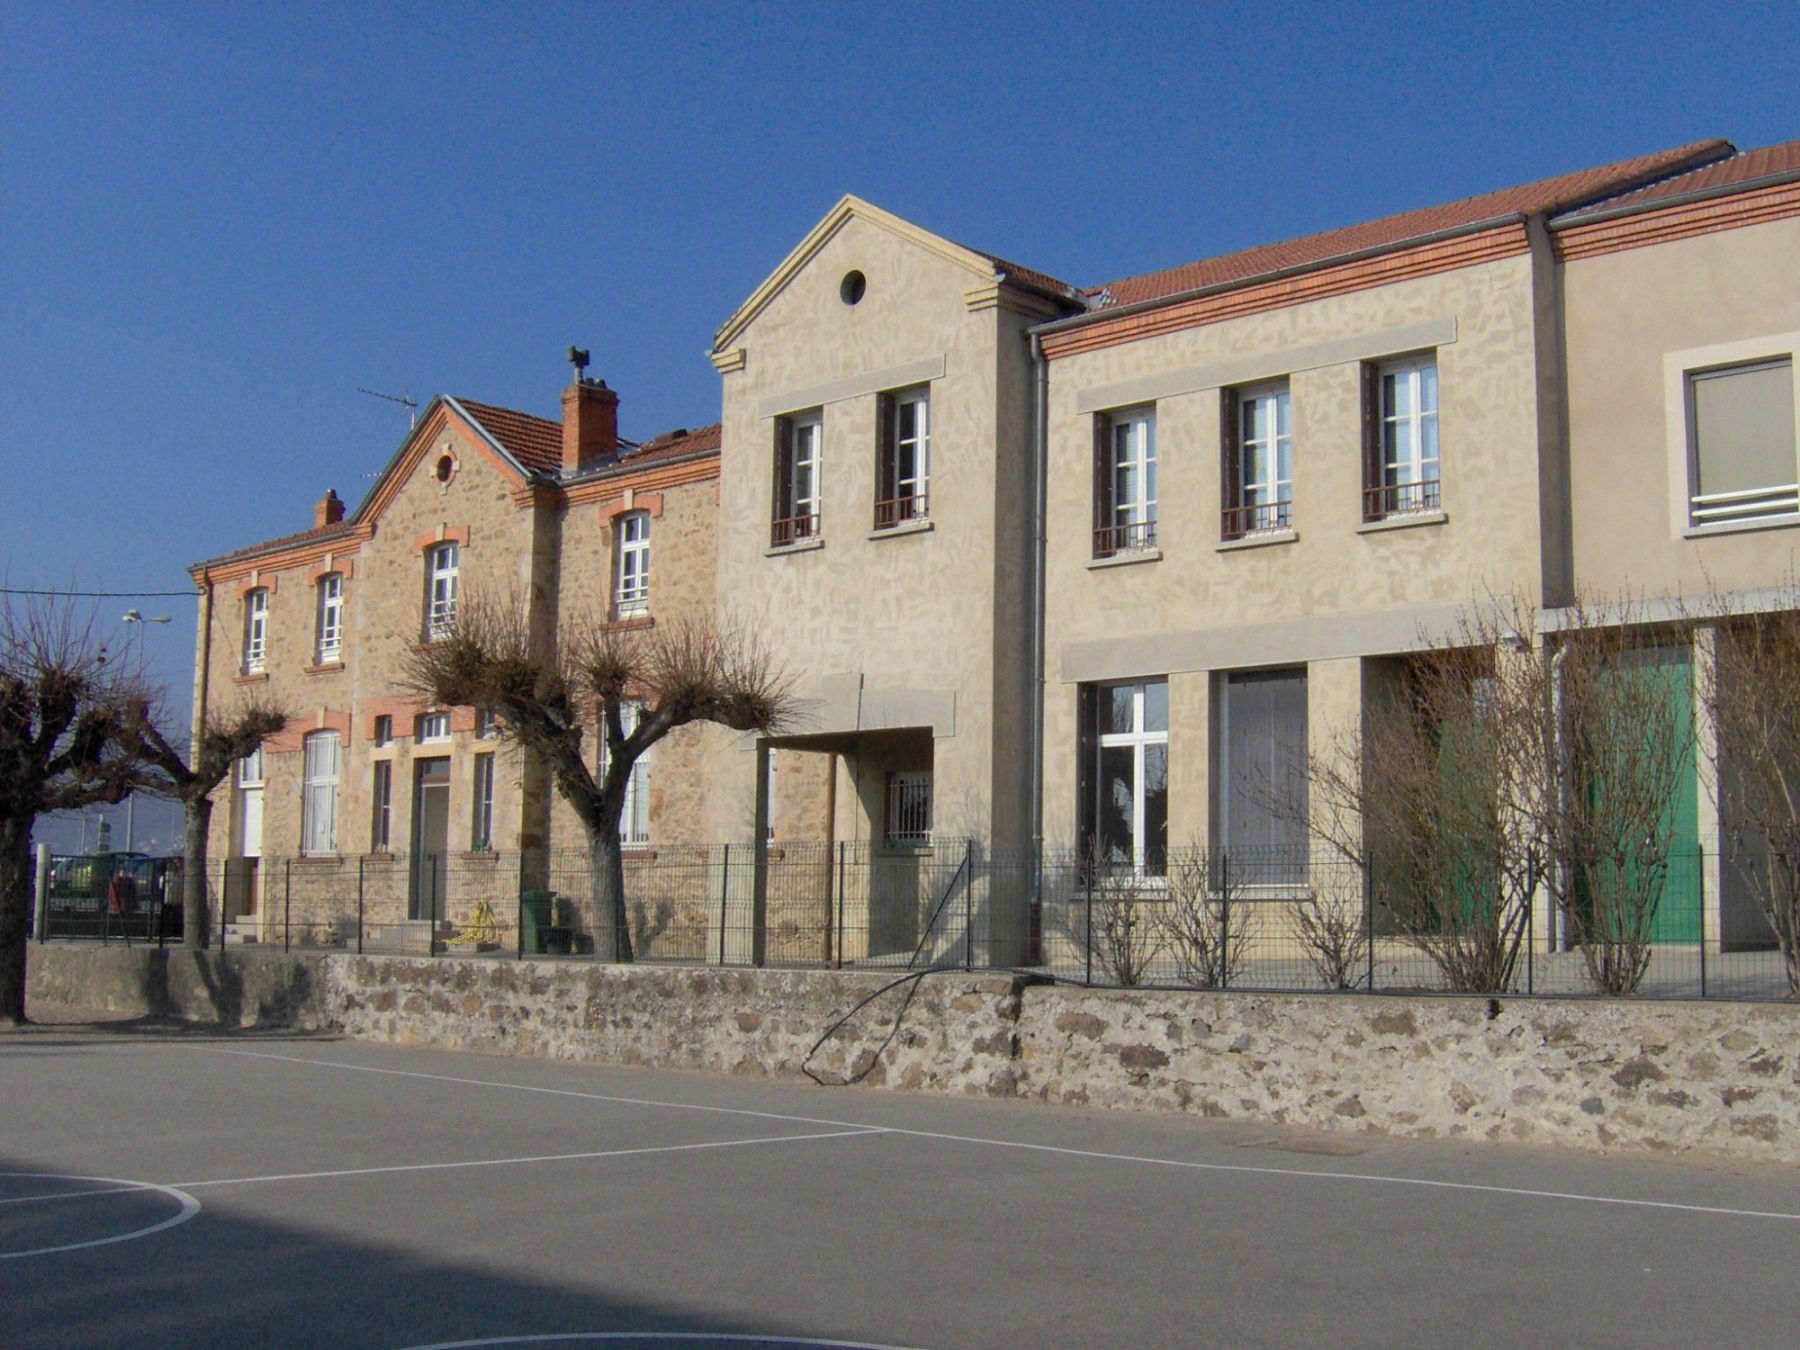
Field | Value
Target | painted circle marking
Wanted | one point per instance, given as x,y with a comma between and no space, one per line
189,1207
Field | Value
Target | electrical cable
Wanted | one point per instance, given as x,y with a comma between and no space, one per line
95,595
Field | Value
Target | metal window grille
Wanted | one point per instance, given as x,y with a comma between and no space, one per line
909,808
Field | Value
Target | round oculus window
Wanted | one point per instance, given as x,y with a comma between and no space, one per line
851,289
446,466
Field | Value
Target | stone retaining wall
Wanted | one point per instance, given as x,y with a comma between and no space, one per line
1713,1078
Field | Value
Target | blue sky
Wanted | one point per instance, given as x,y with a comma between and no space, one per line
217,221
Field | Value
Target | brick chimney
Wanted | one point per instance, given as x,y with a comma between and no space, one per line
328,510
590,431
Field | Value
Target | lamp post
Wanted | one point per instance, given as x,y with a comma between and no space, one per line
133,616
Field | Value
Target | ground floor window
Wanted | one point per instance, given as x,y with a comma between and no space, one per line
481,836
1125,752
909,807
1262,774
381,825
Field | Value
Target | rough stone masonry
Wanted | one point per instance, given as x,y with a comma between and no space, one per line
1711,1078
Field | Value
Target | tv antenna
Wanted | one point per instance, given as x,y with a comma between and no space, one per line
404,398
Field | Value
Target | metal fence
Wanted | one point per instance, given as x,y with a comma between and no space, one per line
1215,919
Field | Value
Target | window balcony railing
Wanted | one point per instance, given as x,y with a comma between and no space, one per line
1399,499
331,649
1257,518
898,510
632,601
1728,508
1134,537
439,622
793,529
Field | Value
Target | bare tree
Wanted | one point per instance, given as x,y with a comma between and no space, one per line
1751,692
1204,922
547,692
222,741
1333,931
69,715
1125,932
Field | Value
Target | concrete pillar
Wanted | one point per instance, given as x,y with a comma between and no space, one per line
1334,719
1190,759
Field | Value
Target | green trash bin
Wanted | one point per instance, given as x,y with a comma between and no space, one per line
534,918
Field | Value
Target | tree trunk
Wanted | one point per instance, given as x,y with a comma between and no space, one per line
195,912
606,865
15,916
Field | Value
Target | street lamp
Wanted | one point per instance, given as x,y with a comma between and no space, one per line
133,616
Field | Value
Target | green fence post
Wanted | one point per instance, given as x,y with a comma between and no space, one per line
287,905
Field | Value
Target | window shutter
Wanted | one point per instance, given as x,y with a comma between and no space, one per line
783,497
1371,433
1230,463
886,454
1103,481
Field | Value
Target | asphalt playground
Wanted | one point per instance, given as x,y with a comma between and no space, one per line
169,1188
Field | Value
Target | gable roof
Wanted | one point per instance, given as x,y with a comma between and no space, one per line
668,445
986,266
535,443
1738,172
1545,196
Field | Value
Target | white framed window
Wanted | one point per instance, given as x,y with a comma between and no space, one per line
1263,481
769,826
256,630
319,798
631,564
909,807
903,480
1130,749
799,457
1741,443
481,834
434,726
1127,509
1408,477
442,563
331,618
250,769
634,818
384,730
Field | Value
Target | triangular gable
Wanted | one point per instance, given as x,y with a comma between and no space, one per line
848,208
437,415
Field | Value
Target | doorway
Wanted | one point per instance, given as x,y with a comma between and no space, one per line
431,838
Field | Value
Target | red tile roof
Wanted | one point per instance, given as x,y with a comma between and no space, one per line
1748,166
536,442
1547,195
681,441
1031,278
280,542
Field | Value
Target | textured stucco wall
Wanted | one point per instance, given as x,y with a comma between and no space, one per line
1625,311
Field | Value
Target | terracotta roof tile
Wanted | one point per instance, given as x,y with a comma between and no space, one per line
536,442
1035,280
681,441
1546,195
280,542
1745,167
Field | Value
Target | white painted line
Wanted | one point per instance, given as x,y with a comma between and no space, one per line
713,1337
189,1208
69,1195
1241,1169
540,1158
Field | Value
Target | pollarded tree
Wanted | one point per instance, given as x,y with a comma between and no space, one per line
70,716
222,742
546,693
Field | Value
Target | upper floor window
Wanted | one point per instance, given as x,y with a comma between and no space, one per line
1124,481
903,472
909,807
319,799
442,562
384,729
799,454
1257,455
250,769
256,629
1400,454
434,727
1741,443
487,724
331,618
631,565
